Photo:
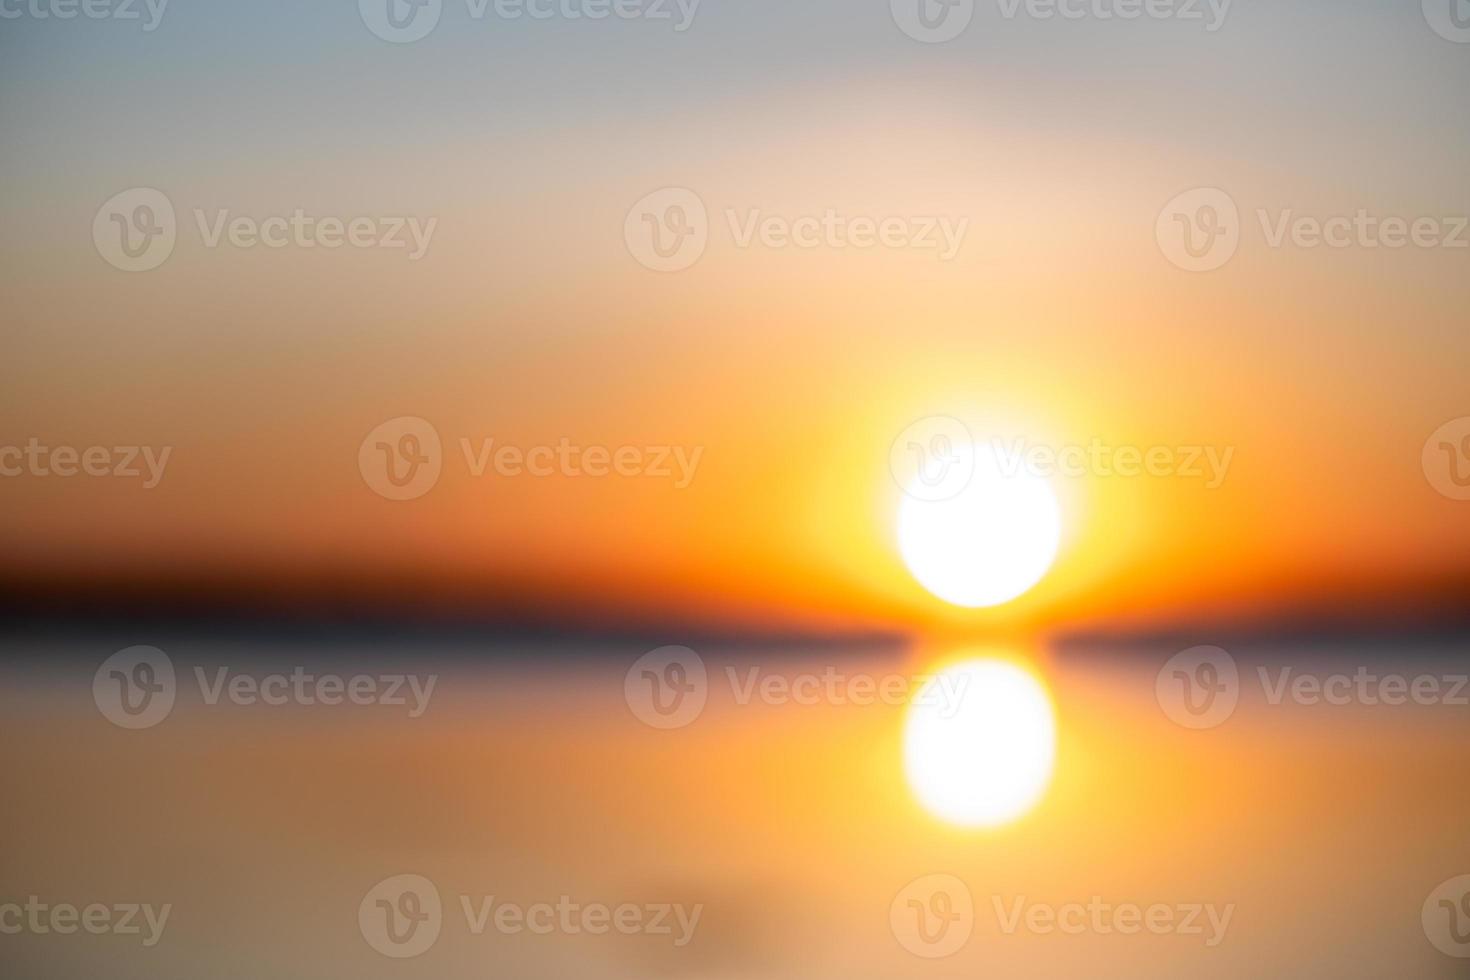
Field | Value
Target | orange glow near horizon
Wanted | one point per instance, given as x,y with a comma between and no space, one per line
793,372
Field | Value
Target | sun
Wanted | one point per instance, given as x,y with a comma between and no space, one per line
980,743
992,535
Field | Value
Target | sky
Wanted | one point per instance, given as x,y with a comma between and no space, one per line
788,372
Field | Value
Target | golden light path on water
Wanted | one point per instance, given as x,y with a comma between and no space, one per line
980,737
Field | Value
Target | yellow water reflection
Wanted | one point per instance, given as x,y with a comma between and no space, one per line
980,742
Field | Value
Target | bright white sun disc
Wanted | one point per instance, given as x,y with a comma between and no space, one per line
987,543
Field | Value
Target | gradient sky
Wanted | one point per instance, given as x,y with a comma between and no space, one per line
1060,320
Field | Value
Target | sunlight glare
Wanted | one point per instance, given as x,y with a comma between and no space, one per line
989,542
980,742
